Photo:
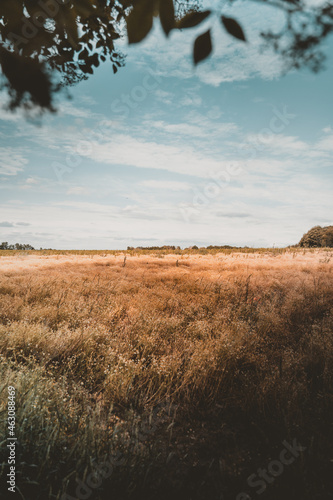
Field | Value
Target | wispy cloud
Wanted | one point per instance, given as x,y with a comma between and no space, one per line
6,224
79,191
11,162
326,143
130,151
196,126
13,224
166,185
232,215
31,180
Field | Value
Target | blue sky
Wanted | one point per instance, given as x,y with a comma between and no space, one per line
230,152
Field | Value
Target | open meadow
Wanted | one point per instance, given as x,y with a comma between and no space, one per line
169,375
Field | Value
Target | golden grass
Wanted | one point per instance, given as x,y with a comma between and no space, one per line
94,345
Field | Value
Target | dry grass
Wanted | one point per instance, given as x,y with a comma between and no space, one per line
223,349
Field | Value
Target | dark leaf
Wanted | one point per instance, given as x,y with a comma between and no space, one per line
26,75
86,68
167,15
84,55
94,60
202,47
140,20
233,27
115,69
192,19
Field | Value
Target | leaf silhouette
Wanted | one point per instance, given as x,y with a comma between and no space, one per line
140,20
193,19
167,15
202,47
26,75
233,27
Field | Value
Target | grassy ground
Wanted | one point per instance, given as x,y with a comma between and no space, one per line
187,373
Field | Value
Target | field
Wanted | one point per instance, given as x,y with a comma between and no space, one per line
168,375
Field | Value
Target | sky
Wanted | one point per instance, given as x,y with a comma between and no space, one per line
230,152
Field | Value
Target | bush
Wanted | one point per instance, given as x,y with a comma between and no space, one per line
318,237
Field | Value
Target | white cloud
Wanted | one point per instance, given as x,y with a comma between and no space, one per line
92,208
179,128
326,143
191,100
127,150
77,191
199,126
31,180
67,109
167,185
278,143
164,96
6,224
11,162
13,224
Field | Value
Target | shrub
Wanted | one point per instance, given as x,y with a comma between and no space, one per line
318,237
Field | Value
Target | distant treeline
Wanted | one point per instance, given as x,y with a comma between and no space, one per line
318,237
17,246
194,247
164,247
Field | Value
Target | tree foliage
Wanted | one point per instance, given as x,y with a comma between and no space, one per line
18,246
318,237
46,45
39,40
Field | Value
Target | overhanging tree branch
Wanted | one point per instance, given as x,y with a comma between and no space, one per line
49,44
